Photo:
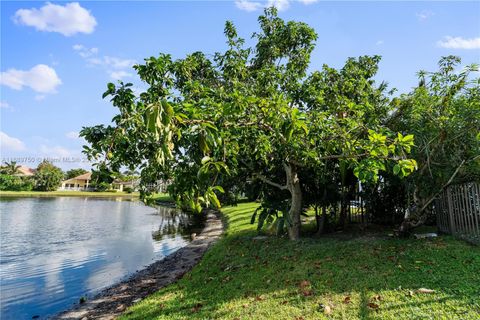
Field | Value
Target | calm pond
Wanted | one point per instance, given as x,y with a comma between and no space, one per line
55,250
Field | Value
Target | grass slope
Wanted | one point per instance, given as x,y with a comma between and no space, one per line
326,278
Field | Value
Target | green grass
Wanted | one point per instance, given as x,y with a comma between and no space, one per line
162,197
65,193
361,278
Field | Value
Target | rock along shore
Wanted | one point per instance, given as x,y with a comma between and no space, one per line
113,301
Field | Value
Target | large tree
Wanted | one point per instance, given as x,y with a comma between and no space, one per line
249,113
443,112
47,177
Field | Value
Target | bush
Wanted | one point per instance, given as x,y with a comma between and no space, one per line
128,189
102,186
15,183
48,177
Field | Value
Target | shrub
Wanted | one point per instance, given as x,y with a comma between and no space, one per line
15,183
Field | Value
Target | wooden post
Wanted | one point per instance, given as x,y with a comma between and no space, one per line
450,211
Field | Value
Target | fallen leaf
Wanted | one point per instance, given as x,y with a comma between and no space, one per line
284,302
377,298
347,300
304,284
307,293
372,305
327,309
259,298
425,290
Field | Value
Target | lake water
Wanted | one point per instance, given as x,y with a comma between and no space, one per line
55,250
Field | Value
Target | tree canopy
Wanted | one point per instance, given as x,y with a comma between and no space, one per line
251,113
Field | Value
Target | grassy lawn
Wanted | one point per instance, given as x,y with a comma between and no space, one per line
65,193
326,278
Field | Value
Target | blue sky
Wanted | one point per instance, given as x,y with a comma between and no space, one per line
57,57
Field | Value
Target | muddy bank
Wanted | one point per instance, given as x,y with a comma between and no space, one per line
113,301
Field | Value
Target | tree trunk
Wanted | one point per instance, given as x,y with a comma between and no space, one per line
293,185
321,220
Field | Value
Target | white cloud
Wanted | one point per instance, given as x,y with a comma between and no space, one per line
307,2
114,66
72,135
248,5
281,5
67,20
57,152
41,78
119,75
11,143
424,15
85,52
379,42
39,97
118,63
459,43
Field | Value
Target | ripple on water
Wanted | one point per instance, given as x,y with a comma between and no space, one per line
56,250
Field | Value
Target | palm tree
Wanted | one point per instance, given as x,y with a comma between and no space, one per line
10,168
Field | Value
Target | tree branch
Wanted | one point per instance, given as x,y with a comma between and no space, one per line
266,180
443,187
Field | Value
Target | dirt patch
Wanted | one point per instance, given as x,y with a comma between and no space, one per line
113,301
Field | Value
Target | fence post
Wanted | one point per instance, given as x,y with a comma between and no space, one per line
450,211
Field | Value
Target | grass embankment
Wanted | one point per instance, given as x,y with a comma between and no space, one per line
326,278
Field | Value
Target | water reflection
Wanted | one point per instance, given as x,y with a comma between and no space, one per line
55,250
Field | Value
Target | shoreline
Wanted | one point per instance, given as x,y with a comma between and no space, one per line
12,194
113,301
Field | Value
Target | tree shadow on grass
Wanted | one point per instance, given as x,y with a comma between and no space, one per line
244,278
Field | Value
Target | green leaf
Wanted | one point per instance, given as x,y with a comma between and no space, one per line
408,139
396,169
206,159
219,189
203,143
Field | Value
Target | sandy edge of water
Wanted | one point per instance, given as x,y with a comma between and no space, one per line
113,301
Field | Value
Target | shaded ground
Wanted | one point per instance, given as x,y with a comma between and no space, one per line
366,277
113,301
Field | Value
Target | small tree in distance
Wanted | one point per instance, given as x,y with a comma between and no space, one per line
47,177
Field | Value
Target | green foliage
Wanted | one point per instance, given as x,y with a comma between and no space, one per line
72,173
443,113
47,177
248,113
128,189
9,168
15,183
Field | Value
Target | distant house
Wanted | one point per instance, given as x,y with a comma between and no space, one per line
25,171
121,185
81,182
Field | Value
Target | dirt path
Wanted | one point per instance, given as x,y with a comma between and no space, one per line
111,302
